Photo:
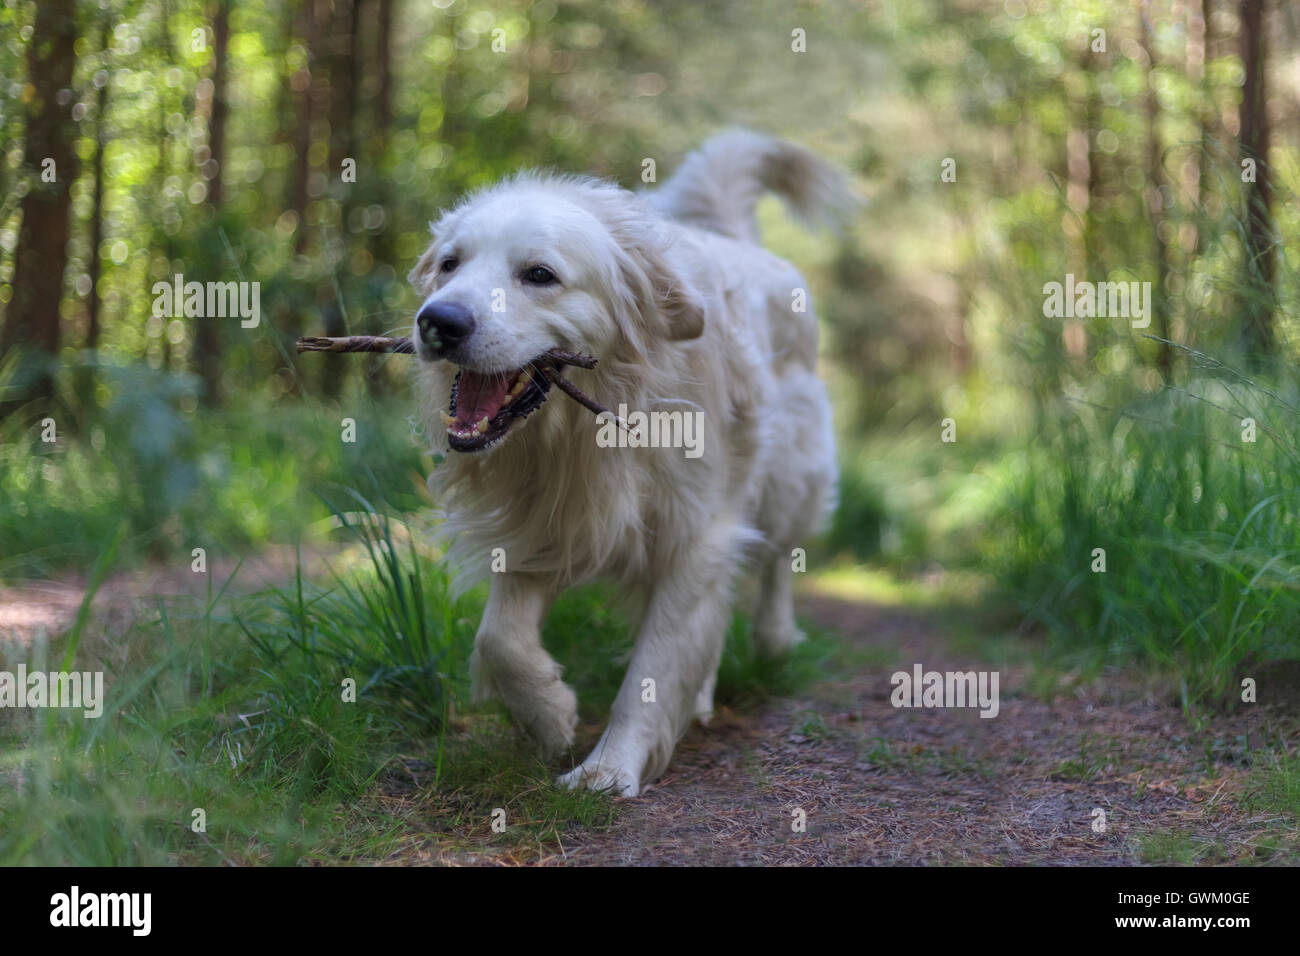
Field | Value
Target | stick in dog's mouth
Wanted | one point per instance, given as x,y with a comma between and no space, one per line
483,406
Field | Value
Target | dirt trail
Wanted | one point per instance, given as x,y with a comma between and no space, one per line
878,784
882,785
29,608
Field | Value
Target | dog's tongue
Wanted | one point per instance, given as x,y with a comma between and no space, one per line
479,396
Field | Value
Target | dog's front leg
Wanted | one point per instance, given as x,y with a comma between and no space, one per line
510,662
678,644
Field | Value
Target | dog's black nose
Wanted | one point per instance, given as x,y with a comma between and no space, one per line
444,325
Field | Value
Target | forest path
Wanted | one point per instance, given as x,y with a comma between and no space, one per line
886,785
877,784
29,608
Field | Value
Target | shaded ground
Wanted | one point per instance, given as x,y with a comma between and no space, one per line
903,786
878,784
28,608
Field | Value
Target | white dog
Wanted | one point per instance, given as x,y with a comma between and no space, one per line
684,312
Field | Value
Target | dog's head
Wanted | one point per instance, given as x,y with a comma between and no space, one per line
536,264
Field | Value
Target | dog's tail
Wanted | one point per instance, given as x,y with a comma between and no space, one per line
718,186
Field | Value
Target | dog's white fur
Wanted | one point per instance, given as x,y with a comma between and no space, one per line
684,311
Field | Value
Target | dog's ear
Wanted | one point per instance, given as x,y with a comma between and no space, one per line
424,274
679,304
421,276
672,306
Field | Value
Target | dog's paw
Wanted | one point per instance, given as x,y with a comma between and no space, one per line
481,688
595,775
552,719
775,643
536,696
703,709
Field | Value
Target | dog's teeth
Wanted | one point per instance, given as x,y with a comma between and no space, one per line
447,420
482,426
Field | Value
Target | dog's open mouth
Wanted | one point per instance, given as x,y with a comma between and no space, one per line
486,405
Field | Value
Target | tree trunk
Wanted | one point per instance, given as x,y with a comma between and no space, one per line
32,317
86,372
343,85
1260,264
161,169
220,106
1197,59
97,204
1080,95
1081,167
384,249
384,58
304,83
207,352
1155,200
291,111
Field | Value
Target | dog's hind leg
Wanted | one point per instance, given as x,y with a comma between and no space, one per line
797,494
510,662
775,631
704,699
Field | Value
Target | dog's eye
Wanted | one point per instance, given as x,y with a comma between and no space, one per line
539,275
448,264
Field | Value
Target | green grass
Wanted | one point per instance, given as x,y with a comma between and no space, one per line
745,677
1200,529
236,707
1273,802
493,772
1177,848
396,632
191,723
895,757
1278,789
182,476
1086,766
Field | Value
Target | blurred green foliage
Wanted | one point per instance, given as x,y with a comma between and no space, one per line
932,299
1068,437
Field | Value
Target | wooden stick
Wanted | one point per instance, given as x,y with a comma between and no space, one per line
404,346
565,357
579,396
356,343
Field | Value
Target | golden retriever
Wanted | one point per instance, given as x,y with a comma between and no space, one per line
686,313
